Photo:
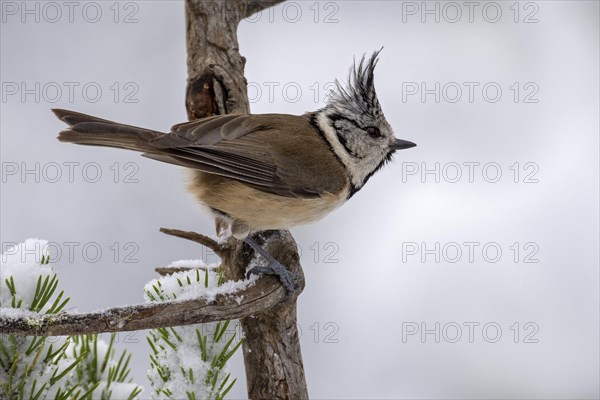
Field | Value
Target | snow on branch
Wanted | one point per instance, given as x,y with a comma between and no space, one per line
234,299
262,295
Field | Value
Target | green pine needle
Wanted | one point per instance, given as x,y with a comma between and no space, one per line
135,393
231,353
108,354
228,388
56,378
202,341
220,335
165,340
10,282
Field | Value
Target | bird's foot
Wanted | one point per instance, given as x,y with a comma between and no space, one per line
273,267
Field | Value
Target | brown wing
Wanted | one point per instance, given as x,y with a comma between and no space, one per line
266,151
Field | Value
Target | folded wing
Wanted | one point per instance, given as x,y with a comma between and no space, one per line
267,152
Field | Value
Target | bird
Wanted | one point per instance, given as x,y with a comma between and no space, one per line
261,172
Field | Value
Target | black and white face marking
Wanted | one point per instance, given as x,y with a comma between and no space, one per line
355,127
362,149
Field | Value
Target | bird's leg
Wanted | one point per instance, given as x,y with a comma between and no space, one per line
273,267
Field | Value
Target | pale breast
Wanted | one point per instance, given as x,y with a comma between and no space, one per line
258,209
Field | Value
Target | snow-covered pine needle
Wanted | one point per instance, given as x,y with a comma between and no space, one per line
190,362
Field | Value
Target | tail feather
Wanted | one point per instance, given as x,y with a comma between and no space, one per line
92,131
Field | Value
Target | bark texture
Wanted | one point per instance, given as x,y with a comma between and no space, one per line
216,85
266,293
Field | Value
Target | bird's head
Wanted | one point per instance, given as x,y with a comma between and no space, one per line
355,126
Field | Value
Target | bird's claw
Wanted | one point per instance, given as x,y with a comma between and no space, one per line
289,280
274,267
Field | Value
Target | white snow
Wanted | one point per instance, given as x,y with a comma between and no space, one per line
118,391
22,263
190,284
9,312
224,235
187,355
191,264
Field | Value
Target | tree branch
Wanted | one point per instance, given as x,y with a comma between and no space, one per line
204,240
254,6
264,294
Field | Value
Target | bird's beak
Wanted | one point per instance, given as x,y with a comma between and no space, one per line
402,144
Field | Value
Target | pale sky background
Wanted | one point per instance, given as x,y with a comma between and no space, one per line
375,277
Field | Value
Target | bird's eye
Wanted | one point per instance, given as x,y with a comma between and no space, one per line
374,132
